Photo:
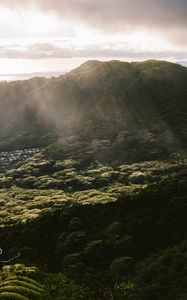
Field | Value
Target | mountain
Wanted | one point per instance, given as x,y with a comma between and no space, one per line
132,111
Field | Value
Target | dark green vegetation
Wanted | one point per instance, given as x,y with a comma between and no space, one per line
119,230
16,286
134,111
25,283
102,211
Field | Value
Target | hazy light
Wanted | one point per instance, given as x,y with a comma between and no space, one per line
25,29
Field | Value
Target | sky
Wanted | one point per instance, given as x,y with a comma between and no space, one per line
59,35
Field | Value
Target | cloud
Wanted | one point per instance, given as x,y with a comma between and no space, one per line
50,50
167,17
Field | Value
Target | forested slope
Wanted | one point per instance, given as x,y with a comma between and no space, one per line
97,202
137,111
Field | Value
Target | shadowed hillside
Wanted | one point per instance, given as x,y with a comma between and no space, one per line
136,111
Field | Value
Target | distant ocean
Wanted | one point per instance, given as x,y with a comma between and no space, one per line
25,76
13,77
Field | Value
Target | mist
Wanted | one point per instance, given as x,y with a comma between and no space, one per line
97,101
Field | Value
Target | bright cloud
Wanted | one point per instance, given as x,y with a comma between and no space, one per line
76,30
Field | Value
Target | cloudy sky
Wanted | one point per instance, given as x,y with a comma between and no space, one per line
58,35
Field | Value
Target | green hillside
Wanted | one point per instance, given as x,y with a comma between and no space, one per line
94,206
135,110
125,240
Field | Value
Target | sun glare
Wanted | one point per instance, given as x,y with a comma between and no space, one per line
27,29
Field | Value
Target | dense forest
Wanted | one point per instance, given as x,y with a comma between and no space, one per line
94,205
126,106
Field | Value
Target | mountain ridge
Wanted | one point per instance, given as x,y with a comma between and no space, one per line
139,104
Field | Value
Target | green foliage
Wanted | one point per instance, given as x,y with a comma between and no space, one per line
14,285
60,288
105,204
163,276
40,185
122,265
97,105
102,245
20,282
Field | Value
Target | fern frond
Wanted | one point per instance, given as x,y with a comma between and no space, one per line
24,279
20,290
15,286
25,284
13,296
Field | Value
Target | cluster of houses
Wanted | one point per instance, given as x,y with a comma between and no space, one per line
9,159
